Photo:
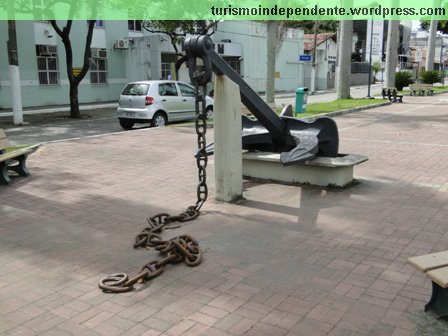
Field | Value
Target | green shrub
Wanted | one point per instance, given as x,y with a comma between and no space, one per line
430,77
403,78
376,66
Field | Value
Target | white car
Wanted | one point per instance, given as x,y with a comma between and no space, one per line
158,102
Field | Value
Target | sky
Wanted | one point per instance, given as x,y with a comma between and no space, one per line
415,24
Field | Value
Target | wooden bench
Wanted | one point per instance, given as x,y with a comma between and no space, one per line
13,160
391,94
421,89
435,266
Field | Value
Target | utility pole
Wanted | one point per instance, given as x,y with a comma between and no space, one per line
14,72
344,59
392,52
313,65
370,59
271,43
430,55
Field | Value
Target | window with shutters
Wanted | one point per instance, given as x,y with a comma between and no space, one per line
47,64
98,66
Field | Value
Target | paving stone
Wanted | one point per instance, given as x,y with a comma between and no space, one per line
285,260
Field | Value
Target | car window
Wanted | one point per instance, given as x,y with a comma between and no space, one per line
135,90
186,91
167,89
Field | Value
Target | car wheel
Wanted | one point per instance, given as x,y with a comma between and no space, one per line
159,120
126,124
209,113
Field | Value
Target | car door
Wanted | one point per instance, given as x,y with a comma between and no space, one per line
188,100
171,100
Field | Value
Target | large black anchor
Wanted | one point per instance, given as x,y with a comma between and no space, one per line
297,140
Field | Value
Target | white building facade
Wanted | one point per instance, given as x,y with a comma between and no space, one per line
122,51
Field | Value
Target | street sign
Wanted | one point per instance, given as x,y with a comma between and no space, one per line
305,58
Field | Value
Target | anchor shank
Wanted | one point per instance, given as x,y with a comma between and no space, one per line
273,123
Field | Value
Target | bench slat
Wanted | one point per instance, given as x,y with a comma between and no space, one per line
439,276
4,142
16,153
429,262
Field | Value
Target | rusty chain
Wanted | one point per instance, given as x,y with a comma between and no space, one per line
181,248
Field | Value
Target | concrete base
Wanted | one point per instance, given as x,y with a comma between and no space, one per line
322,171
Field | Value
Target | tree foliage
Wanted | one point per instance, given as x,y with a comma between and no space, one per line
325,26
442,25
377,66
177,30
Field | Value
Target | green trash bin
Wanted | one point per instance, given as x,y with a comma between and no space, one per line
301,99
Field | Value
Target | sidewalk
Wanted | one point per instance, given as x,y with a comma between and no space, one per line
285,261
65,108
48,116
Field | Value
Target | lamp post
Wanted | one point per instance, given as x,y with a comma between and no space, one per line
443,68
313,65
441,64
372,4
370,60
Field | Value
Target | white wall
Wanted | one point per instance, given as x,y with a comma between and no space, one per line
252,36
326,51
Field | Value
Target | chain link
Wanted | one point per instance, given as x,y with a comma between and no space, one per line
181,248
201,158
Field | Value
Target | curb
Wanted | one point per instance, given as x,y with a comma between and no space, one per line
434,94
347,111
439,93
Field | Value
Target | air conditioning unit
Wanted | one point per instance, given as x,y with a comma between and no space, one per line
121,44
95,53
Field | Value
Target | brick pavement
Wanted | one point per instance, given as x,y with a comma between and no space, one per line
287,260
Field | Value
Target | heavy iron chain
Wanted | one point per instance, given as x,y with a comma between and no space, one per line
181,248
184,247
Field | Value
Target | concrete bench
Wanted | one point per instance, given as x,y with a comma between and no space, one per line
321,171
14,160
435,266
391,94
421,89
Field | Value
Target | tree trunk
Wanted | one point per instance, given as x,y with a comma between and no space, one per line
344,59
14,72
74,104
74,80
430,55
271,44
392,52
